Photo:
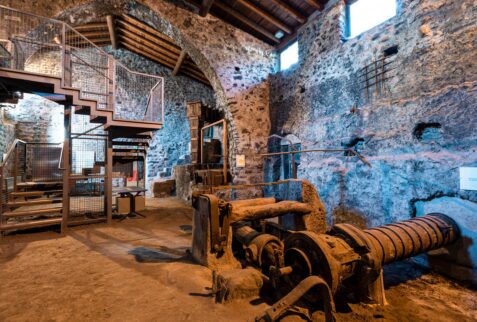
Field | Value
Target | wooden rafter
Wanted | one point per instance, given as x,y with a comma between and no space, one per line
124,26
315,4
148,29
88,34
90,26
149,43
205,7
267,16
252,24
112,31
290,11
179,62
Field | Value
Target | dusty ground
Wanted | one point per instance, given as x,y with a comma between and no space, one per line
138,270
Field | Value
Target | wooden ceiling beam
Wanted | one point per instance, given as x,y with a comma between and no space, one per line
87,34
245,20
95,25
179,63
151,37
205,7
265,15
290,11
135,48
148,29
192,74
315,4
112,31
171,62
146,42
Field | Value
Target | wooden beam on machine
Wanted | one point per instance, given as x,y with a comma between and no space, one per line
112,31
252,24
267,16
290,11
205,7
180,60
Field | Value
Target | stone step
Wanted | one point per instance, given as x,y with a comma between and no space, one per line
32,224
13,214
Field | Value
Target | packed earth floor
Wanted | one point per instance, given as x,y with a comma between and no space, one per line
140,270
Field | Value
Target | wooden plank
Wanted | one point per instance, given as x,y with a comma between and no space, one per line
205,7
27,213
149,29
141,49
89,34
144,34
29,203
179,62
290,11
32,224
90,26
148,53
146,42
245,20
315,4
265,15
112,31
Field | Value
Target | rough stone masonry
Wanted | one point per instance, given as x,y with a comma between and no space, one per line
416,135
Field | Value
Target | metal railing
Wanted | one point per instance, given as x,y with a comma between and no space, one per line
51,47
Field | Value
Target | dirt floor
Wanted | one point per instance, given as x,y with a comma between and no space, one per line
139,270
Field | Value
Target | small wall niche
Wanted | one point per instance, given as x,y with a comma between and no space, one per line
428,131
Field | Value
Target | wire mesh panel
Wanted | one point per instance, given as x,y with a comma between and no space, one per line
138,97
44,162
88,170
33,43
50,47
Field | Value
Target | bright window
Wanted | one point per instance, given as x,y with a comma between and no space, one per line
363,15
289,56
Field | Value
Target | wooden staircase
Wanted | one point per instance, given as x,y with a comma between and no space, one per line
32,208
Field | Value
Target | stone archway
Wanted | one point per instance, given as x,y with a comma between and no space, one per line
236,64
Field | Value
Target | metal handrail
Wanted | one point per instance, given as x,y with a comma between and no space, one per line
10,151
128,73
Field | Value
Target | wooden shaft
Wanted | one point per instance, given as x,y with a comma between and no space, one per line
252,202
269,211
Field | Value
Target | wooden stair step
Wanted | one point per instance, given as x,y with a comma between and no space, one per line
29,203
13,214
32,224
27,194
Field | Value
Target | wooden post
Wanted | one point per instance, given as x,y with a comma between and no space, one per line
67,169
194,111
108,183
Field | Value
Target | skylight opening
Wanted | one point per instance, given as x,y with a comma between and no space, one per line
289,56
363,15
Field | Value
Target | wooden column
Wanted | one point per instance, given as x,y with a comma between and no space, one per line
66,169
108,183
194,112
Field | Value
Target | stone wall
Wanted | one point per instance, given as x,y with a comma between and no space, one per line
170,145
37,120
236,64
416,135
7,132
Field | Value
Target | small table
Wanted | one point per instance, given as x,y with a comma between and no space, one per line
131,193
